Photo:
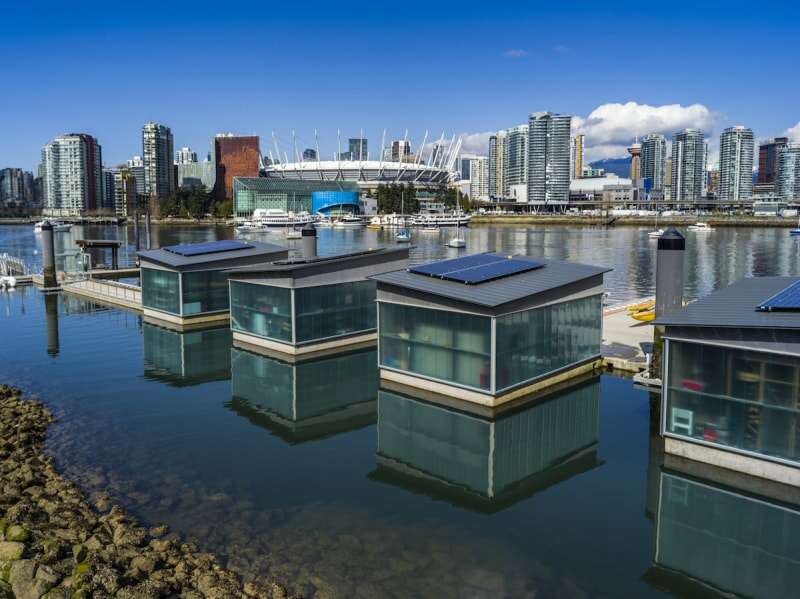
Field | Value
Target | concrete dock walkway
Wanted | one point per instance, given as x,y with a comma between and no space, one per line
622,338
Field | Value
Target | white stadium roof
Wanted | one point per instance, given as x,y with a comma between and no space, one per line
364,171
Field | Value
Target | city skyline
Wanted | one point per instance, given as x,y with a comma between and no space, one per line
42,52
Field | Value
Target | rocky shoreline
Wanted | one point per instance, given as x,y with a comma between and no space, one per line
54,544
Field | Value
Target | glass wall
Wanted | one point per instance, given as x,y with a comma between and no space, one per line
447,346
334,310
205,291
161,290
539,341
261,310
736,398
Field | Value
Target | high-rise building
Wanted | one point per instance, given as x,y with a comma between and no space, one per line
688,164
125,195
787,180
185,156
768,159
654,155
309,154
712,182
400,149
357,147
548,158
108,188
515,158
136,168
234,156
159,174
73,175
15,187
465,166
497,143
197,174
735,164
479,178
576,158
636,163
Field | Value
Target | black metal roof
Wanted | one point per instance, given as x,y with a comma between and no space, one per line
554,274
321,263
177,261
737,306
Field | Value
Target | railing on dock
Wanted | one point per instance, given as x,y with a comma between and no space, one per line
114,292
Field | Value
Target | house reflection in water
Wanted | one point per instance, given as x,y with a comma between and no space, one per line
305,400
183,359
712,540
484,462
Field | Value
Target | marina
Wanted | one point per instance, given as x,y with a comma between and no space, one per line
400,472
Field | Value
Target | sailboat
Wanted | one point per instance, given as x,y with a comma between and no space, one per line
404,236
658,232
457,241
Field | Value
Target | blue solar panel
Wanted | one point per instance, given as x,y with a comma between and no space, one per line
788,299
476,269
437,269
210,247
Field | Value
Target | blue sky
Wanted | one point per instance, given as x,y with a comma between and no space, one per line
203,68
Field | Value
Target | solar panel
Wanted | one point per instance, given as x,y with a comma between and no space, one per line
788,299
437,269
209,247
478,268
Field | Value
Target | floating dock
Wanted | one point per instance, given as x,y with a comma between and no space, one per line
623,338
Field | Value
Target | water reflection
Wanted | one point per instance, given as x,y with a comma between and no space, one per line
710,538
51,323
487,463
306,400
186,358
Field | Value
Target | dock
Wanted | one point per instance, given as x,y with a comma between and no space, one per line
623,338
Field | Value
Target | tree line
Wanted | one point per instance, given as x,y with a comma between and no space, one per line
194,202
402,197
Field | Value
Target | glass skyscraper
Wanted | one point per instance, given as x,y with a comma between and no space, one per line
788,175
736,164
688,161
548,158
72,168
653,158
157,152
515,157
497,144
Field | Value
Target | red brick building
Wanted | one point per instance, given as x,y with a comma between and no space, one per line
235,156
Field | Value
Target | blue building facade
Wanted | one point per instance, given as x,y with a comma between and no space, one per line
334,202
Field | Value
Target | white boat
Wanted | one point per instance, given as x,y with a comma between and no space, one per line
700,228
376,222
442,219
655,234
349,221
404,236
8,282
323,223
456,241
430,229
247,226
274,217
57,225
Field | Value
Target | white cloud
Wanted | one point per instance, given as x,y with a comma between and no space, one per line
793,133
515,53
476,143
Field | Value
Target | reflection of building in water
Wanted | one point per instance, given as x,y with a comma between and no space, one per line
183,359
711,539
305,400
486,463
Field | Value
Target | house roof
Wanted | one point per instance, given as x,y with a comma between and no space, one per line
228,258
737,306
552,275
284,268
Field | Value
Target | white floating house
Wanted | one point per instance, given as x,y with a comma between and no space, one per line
488,328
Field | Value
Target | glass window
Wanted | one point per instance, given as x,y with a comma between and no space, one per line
204,291
733,397
161,290
333,310
447,346
261,310
535,342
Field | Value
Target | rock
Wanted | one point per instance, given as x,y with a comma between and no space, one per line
143,564
16,533
79,553
24,583
11,550
47,574
5,590
158,531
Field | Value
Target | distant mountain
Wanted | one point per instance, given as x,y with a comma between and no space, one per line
619,166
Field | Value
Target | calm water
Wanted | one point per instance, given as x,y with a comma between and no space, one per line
312,474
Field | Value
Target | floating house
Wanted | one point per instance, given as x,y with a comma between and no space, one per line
187,285
433,447
303,307
305,400
731,380
488,328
